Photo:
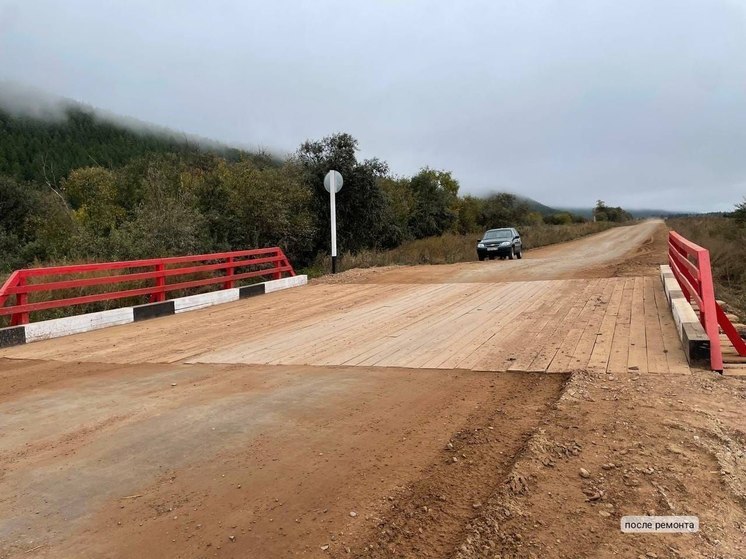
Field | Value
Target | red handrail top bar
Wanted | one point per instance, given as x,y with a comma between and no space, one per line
95,266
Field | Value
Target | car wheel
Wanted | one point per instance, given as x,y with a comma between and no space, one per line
481,258
512,253
519,254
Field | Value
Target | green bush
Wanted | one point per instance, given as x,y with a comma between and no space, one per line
151,203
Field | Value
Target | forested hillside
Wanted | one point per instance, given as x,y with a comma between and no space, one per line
82,188
38,150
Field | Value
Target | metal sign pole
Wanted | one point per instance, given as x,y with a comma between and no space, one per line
333,204
333,182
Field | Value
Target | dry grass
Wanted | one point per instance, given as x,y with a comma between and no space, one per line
726,241
451,248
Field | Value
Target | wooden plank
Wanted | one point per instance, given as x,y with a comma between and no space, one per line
270,329
675,357
400,318
145,342
504,329
329,338
657,362
505,348
731,370
430,336
536,338
495,325
405,332
734,359
472,325
637,357
599,359
291,341
515,295
525,341
561,361
619,355
600,303
268,315
560,332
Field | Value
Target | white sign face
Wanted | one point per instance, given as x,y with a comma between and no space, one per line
335,178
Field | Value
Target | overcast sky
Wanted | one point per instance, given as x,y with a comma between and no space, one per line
639,102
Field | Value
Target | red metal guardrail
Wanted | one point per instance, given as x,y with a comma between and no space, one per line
690,264
270,262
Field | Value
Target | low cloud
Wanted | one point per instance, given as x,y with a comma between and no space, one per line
639,103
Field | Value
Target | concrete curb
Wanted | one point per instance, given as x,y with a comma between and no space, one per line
58,327
693,337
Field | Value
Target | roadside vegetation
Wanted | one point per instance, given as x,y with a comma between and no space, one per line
451,247
80,189
725,237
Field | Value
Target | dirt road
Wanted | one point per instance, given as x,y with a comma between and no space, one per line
121,462
371,415
598,255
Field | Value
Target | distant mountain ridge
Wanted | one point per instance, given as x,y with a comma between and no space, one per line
543,209
636,213
537,206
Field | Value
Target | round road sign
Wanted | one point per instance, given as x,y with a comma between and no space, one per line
336,177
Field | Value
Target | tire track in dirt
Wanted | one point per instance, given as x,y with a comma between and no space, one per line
430,517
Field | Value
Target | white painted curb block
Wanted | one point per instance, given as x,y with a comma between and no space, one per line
673,290
285,283
194,302
76,324
683,313
694,339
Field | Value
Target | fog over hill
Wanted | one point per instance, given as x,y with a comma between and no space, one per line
30,104
25,101
45,137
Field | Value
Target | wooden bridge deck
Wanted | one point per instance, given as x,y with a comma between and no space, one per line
607,324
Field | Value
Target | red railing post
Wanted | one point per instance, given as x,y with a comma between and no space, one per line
278,274
160,281
286,262
21,299
229,272
707,314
